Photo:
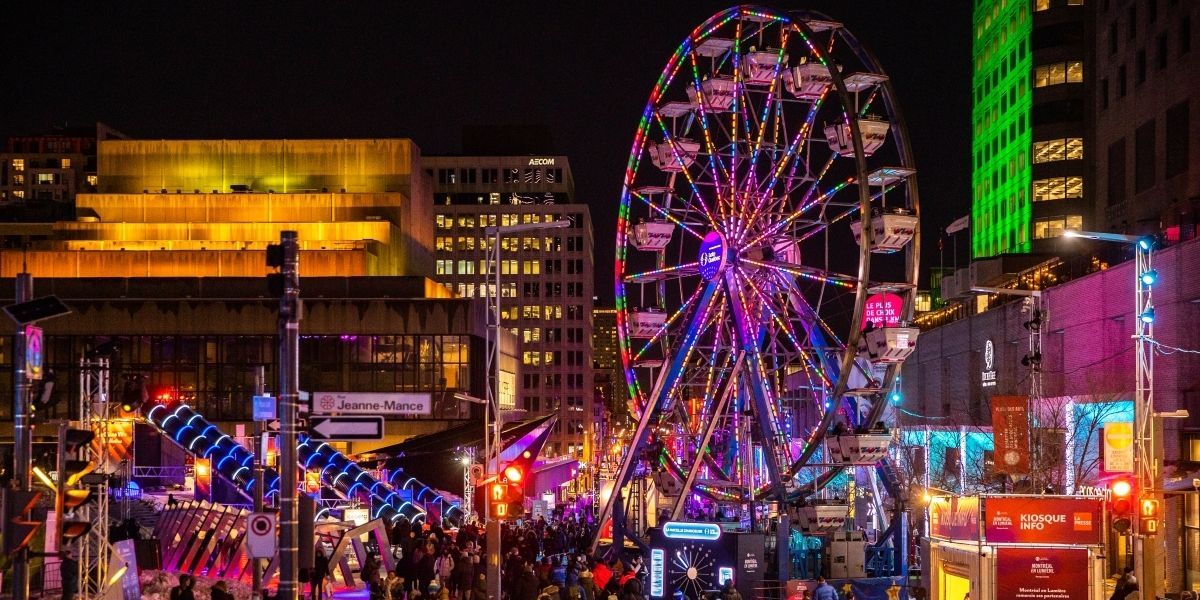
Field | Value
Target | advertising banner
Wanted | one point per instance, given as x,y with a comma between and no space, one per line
954,518
883,310
1010,428
1040,574
1041,520
1118,447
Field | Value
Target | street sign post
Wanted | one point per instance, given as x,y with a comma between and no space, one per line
260,535
265,408
353,428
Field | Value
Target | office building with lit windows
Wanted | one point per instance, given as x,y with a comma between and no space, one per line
1029,158
1147,116
546,280
41,174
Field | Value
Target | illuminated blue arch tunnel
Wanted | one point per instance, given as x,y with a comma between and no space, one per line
191,431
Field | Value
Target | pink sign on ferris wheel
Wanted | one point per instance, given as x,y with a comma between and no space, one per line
883,310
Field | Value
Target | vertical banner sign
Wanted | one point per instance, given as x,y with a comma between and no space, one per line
1010,427
33,352
1118,447
657,568
131,586
1061,573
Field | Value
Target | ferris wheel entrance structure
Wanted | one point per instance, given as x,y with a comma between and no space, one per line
769,197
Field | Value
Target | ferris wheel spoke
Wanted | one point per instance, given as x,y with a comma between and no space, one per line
664,213
678,157
683,270
701,102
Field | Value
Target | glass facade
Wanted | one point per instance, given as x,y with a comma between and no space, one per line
215,374
1001,175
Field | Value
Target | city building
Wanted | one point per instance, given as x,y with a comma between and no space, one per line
545,277
1029,124
610,374
41,174
208,208
1147,116
1087,364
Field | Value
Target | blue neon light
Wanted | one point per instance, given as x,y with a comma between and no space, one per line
677,530
658,561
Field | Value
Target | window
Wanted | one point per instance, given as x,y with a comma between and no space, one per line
1160,52
466,175
511,176
47,178
466,267
531,267
1140,67
1131,31
1113,41
445,267
1104,93
1116,172
18,179
1121,81
1143,157
1041,5
1185,34
91,180
1056,73
446,176
443,244
1059,149
65,163
1177,139
18,164
466,220
1074,2
19,194
1054,226
1057,188
443,221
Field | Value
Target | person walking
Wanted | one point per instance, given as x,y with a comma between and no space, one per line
320,570
824,591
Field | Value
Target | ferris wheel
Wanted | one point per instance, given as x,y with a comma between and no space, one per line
770,192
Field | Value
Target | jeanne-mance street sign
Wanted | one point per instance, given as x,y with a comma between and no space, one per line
354,403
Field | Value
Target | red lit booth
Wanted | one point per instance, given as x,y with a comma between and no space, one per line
1001,547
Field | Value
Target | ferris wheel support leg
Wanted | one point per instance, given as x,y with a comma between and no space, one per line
701,448
748,340
658,400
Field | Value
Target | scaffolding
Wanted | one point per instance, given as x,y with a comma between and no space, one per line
95,552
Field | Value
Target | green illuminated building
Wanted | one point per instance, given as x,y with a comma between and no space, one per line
1027,122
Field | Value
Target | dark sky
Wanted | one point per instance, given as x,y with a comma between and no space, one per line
422,70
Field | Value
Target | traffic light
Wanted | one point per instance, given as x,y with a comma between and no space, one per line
133,392
16,529
1120,504
70,473
1149,513
506,495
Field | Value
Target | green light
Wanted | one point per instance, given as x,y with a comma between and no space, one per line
1001,128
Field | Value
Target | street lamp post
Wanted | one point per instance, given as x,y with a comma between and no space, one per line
1147,453
491,455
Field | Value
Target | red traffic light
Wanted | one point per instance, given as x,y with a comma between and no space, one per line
513,473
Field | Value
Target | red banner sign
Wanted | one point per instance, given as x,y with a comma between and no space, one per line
1041,520
1010,428
1040,574
954,518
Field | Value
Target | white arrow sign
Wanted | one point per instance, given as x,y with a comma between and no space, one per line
346,428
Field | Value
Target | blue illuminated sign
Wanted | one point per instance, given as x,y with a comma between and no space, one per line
724,574
657,565
712,255
692,531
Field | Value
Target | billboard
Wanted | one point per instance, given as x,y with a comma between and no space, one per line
1010,428
883,310
1041,520
954,518
1038,574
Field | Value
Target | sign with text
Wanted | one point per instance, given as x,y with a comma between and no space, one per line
987,377
882,310
131,586
1010,428
954,517
1041,574
357,403
264,408
1118,447
1041,520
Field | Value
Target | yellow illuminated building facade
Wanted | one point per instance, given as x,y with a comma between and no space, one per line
208,208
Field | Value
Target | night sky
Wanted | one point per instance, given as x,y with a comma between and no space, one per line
423,70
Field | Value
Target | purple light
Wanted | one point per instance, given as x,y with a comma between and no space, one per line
712,255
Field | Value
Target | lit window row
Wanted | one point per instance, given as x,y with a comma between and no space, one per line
1041,5
1056,73
1057,188
1060,149
1054,226
444,221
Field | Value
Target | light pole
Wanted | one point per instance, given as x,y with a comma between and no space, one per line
491,455
1147,453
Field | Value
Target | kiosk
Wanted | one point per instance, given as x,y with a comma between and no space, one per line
1016,547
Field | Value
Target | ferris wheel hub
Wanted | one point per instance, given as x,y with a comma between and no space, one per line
713,255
